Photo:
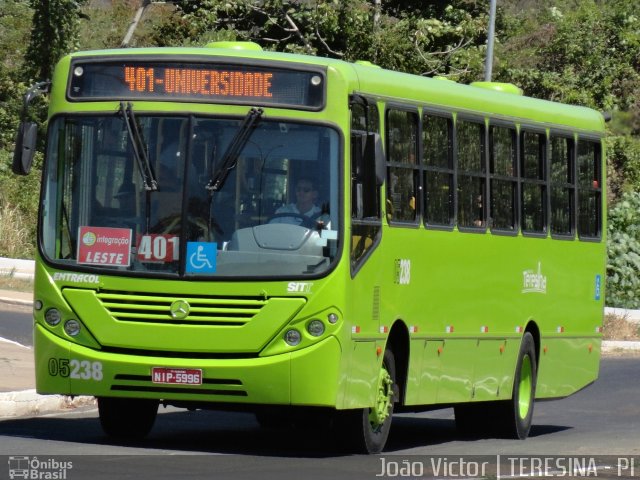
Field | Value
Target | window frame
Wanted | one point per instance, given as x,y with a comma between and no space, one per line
569,185
513,178
414,167
543,182
426,168
369,225
481,176
598,167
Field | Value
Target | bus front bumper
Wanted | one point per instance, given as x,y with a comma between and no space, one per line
304,377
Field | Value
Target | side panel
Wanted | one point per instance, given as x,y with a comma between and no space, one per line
466,302
566,365
456,373
489,370
362,374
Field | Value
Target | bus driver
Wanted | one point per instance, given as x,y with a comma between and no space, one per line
304,206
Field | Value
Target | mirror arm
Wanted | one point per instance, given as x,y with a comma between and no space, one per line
37,89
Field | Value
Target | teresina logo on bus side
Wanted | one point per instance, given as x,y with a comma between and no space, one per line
534,282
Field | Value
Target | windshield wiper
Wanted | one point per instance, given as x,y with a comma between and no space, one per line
230,158
139,151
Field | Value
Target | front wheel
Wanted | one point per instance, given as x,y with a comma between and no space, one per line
367,429
127,418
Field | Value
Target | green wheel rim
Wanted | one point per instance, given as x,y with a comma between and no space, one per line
384,399
525,387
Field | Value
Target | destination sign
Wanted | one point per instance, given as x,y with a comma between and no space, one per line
196,82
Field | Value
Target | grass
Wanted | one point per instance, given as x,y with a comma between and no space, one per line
620,328
15,241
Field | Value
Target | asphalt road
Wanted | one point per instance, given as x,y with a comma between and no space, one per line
603,419
16,323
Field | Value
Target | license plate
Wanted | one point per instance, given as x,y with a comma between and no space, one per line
176,376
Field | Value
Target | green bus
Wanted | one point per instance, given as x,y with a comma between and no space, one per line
311,239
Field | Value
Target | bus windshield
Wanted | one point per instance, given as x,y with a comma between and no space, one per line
133,193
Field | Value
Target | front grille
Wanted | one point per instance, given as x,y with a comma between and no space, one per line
178,390
203,310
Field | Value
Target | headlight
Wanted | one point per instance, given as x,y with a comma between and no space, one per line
72,327
52,317
315,328
292,337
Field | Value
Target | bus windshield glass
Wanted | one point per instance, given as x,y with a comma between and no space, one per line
275,214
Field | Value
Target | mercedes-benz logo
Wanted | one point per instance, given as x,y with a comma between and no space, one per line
179,309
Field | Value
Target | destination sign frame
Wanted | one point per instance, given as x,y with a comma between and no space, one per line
189,79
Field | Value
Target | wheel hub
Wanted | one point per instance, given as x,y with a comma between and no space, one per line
384,399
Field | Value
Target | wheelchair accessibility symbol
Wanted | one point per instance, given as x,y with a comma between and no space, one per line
201,257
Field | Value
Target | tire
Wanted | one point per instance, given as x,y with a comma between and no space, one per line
366,430
517,414
510,418
127,418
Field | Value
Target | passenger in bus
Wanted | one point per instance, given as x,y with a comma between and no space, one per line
479,214
304,206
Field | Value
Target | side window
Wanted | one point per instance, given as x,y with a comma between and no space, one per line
437,146
402,167
365,198
503,180
365,117
533,182
365,192
589,189
470,140
562,186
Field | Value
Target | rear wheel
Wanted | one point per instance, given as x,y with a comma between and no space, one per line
367,429
517,414
510,418
127,418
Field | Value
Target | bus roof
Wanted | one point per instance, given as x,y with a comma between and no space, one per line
439,94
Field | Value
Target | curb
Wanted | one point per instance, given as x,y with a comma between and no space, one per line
17,268
28,403
16,301
610,346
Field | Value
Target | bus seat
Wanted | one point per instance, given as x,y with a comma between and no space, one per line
360,243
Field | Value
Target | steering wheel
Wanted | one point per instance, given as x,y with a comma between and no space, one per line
307,222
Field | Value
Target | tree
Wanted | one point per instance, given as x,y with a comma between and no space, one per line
623,245
586,56
587,53
54,34
442,38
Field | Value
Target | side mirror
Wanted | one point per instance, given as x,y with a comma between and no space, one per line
27,132
25,148
375,152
